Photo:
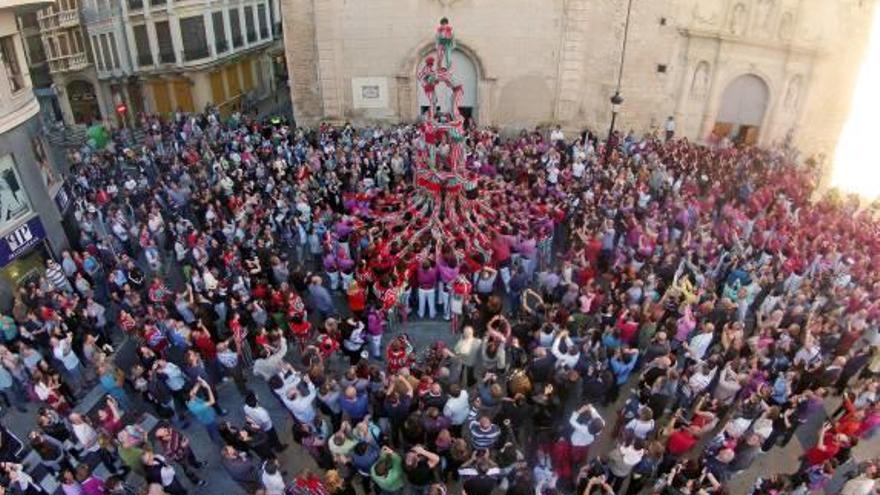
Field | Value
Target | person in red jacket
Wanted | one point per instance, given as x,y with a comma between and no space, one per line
826,448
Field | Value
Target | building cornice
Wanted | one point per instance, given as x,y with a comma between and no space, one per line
767,44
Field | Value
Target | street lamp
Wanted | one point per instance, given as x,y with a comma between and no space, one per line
617,100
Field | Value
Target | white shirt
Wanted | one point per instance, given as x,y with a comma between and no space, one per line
63,353
457,408
580,435
260,416
557,135
699,344
86,436
640,428
564,358
273,483
302,406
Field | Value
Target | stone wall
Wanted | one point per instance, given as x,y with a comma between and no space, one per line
557,61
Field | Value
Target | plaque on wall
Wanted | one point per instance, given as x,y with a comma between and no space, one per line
369,92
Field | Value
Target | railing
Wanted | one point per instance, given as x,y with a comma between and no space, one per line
48,22
145,59
91,14
166,58
68,18
196,53
73,62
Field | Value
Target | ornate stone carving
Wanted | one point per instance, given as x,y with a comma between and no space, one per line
786,26
700,81
793,93
764,11
707,13
738,19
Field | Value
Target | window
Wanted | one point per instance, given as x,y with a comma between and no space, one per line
99,61
135,5
10,63
249,24
78,41
195,43
235,27
166,46
36,52
661,68
14,205
220,44
62,41
114,50
105,52
142,44
53,52
261,20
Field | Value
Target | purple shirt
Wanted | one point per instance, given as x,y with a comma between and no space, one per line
427,278
447,273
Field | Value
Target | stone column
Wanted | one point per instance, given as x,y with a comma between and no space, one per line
302,60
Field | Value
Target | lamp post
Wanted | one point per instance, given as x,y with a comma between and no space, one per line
617,99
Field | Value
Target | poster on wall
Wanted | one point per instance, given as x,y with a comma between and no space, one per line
50,176
21,240
14,203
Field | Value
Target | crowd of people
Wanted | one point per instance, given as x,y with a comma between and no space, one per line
654,317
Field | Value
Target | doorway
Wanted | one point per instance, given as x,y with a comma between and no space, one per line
464,71
83,102
743,105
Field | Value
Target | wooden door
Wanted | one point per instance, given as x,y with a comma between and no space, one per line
161,97
183,96
232,81
218,88
247,75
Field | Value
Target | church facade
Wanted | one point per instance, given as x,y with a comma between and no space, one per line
751,70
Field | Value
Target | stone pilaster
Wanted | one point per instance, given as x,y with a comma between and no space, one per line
298,17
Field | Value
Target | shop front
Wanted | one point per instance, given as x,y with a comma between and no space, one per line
23,254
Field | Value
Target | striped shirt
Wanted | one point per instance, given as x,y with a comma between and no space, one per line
483,439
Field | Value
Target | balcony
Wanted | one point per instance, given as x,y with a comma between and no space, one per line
92,15
63,19
68,18
195,53
77,61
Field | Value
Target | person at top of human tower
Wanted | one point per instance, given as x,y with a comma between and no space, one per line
445,44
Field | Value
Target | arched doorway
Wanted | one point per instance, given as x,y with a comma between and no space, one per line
743,105
83,102
465,72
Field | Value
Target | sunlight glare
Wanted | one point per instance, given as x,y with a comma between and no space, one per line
856,168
